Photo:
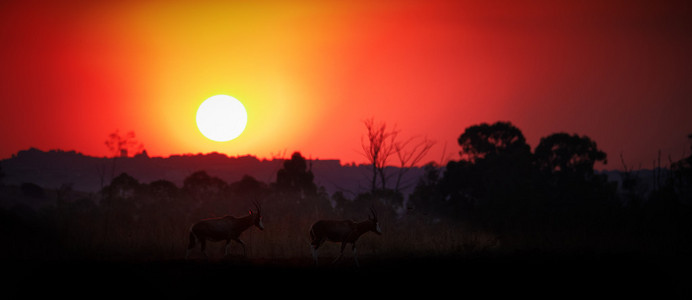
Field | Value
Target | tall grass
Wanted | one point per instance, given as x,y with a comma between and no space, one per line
284,237
162,234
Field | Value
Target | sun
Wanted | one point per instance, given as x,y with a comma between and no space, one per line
221,118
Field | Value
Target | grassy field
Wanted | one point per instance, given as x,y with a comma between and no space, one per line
78,256
76,250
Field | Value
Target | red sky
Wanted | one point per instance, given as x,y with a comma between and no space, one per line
310,72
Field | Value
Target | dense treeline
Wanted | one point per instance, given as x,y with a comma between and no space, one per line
499,197
553,195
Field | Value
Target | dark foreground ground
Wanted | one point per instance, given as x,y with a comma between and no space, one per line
545,276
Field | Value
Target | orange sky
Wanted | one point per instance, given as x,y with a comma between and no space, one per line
309,73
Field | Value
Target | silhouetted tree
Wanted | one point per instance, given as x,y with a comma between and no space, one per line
409,153
249,188
565,154
426,195
497,174
120,199
340,201
123,186
490,140
203,188
681,177
459,188
569,186
295,178
499,179
164,191
567,162
122,146
377,148
296,198
162,200
633,189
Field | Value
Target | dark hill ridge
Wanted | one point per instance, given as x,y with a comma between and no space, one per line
55,168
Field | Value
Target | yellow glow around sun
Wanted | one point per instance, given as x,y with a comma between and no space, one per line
221,118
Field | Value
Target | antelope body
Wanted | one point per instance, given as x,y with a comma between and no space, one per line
226,228
341,231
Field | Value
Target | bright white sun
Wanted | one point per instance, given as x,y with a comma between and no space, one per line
221,118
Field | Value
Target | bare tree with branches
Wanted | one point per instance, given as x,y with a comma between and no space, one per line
377,148
409,153
121,146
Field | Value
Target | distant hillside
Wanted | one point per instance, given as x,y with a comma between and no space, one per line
54,168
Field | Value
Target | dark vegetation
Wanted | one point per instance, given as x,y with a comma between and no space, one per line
502,215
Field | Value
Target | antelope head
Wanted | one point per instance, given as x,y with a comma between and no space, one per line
257,217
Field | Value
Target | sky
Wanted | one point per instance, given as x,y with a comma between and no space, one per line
310,72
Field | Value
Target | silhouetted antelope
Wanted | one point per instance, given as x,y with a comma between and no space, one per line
223,229
342,231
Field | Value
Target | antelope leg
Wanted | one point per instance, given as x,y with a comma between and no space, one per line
228,245
314,254
341,254
203,244
243,244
